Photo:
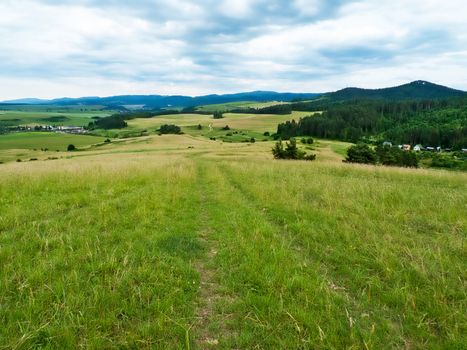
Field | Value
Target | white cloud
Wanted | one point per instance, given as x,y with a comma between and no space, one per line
101,47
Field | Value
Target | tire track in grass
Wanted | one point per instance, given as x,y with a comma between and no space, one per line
208,326
354,307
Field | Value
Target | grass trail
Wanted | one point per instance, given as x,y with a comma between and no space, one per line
196,251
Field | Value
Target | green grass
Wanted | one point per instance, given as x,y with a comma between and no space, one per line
180,242
52,141
38,116
224,107
252,125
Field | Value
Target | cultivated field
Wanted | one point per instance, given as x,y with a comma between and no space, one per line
169,242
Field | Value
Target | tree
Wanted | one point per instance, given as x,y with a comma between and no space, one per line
71,148
278,150
199,127
217,115
169,129
361,153
112,122
291,151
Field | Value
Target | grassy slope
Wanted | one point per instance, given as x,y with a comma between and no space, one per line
52,141
251,125
148,243
233,105
35,117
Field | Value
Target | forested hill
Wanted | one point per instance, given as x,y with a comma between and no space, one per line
160,101
419,89
428,122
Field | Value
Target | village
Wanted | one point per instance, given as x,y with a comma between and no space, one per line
50,128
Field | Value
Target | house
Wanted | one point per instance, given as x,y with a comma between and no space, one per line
430,149
387,144
418,148
406,147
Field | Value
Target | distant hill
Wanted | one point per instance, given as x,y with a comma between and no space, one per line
415,90
160,101
25,101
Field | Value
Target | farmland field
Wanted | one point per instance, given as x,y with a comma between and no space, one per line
181,242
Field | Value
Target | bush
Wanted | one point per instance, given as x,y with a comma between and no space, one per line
361,153
396,157
226,127
291,151
252,140
218,115
112,122
71,148
267,133
107,141
169,129
199,127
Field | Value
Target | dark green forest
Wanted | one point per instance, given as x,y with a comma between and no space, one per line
427,122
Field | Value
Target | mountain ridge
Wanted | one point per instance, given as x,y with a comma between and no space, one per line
418,89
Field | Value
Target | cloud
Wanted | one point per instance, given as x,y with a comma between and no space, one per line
51,48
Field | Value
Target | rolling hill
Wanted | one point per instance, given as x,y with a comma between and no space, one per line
415,90
160,101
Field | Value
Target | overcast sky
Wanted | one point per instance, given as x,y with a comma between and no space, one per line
55,48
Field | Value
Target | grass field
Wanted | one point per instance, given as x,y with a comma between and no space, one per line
233,105
245,125
41,145
31,117
50,140
179,242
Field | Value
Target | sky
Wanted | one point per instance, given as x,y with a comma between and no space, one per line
57,48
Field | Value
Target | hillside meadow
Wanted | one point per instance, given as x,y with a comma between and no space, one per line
180,242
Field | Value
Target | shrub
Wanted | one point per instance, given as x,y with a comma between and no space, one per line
71,148
112,122
226,127
169,129
291,151
218,115
107,141
252,140
199,127
267,133
396,157
361,153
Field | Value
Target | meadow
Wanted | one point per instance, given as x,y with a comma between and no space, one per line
181,242
224,107
46,115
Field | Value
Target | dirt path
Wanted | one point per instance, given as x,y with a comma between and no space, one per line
208,326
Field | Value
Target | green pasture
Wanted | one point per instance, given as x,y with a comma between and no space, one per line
38,117
50,140
179,242
224,107
258,123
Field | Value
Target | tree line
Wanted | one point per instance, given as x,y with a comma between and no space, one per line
432,122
